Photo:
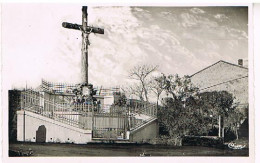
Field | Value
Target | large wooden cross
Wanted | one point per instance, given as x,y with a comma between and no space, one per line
86,30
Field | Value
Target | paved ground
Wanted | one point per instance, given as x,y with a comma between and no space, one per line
52,150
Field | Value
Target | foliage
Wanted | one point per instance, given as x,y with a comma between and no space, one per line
178,114
180,120
184,111
221,103
216,103
121,100
180,88
188,112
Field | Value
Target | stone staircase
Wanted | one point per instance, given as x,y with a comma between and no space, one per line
72,115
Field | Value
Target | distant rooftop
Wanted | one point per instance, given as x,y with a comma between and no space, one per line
237,65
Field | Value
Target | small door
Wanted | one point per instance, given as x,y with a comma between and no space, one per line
41,134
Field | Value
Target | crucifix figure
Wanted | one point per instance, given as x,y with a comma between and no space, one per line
86,30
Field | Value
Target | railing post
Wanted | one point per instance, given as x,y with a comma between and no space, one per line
154,110
51,108
21,100
61,112
53,111
92,128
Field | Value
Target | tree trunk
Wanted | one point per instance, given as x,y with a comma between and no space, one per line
223,128
219,126
157,102
223,132
236,132
145,91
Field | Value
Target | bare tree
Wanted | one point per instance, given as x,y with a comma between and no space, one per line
141,74
135,89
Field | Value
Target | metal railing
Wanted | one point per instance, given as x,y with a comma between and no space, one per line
105,120
34,101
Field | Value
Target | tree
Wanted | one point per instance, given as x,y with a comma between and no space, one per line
141,74
178,115
232,122
134,89
187,111
180,88
217,102
221,104
157,86
121,100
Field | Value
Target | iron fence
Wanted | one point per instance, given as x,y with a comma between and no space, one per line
106,121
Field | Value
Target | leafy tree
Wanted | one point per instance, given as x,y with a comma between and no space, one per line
188,112
178,115
220,104
217,102
232,122
180,88
179,121
121,100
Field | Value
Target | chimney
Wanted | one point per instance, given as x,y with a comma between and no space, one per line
240,62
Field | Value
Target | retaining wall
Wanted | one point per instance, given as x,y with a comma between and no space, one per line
28,123
145,133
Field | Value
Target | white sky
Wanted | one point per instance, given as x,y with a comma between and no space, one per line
179,40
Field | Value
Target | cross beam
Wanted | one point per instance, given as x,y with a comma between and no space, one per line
79,27
86,30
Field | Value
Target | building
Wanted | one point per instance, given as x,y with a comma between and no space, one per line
225,76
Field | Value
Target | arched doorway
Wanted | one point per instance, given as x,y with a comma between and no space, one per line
41,134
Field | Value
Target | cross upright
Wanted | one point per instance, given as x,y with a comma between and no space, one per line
86,30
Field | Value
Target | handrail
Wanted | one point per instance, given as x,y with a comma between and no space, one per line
73,113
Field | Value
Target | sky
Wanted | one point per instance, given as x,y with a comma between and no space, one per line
180,40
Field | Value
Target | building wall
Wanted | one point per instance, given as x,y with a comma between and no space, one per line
223,76
145,133
28,123
218,73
